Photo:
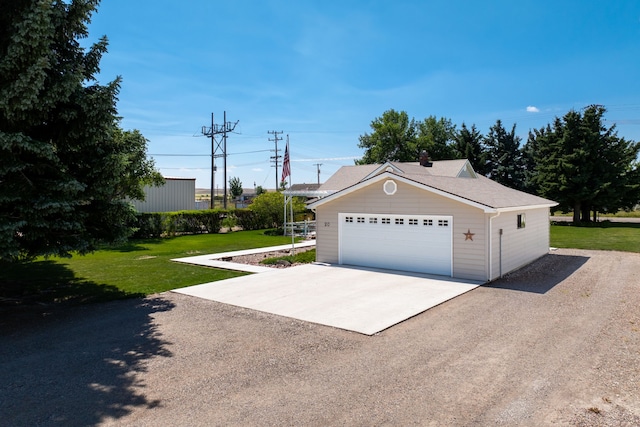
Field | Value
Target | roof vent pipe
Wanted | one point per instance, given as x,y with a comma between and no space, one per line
424,159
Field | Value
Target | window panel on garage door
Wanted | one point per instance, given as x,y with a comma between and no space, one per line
418,243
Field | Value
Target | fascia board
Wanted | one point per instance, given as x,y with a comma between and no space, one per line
519,208
389,175
382,168
342,193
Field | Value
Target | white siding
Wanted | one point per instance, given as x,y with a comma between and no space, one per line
469,256
177,194
520,246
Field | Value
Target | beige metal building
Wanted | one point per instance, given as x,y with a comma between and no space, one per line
177,194
429,217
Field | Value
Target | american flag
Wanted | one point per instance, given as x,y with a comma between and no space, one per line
286,165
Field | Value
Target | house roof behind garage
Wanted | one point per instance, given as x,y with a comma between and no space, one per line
449,177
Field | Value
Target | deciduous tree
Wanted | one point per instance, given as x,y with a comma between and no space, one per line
269,206
235,187
393,138
437,137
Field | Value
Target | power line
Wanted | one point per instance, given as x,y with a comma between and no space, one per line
179,155
327,159
204,155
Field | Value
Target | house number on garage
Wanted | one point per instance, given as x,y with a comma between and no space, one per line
327,224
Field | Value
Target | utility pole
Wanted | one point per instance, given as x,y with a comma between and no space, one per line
318,166
276,157
218,149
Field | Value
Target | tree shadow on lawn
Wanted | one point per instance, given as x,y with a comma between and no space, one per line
68,364
48,282
541,275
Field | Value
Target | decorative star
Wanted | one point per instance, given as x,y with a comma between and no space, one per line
468,235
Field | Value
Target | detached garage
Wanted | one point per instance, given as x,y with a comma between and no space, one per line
429,217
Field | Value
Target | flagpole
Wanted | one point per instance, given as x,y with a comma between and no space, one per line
286,173
293,247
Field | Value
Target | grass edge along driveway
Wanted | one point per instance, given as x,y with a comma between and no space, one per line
136,269
143,267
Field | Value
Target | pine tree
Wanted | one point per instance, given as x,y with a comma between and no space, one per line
504,157
468,144
585,166
65,167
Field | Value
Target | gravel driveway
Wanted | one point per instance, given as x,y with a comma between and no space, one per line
556,343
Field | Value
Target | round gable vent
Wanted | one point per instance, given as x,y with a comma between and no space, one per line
390,187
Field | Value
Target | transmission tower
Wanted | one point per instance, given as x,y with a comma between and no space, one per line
218,149
276,156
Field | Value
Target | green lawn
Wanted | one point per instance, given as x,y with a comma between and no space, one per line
619,214
142,267
136,269
614,236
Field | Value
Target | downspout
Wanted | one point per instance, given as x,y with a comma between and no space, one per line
491,248
500,254
315,217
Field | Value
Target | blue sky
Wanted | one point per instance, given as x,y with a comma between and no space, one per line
321,71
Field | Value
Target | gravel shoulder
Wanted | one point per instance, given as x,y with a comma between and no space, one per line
555,343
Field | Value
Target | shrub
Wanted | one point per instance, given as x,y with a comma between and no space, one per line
270,208
194,222
148,225
248,219
158,224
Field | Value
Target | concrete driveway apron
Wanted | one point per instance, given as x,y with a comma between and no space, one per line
357,299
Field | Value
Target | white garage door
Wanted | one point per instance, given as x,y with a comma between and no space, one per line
418,243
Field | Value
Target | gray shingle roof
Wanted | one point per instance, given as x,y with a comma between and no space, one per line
304,187
443,176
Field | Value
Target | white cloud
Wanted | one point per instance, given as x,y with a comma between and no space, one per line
532,109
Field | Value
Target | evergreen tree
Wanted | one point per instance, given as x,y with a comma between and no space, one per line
613,160
468,144
65,166
530,155
585,166
504,157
